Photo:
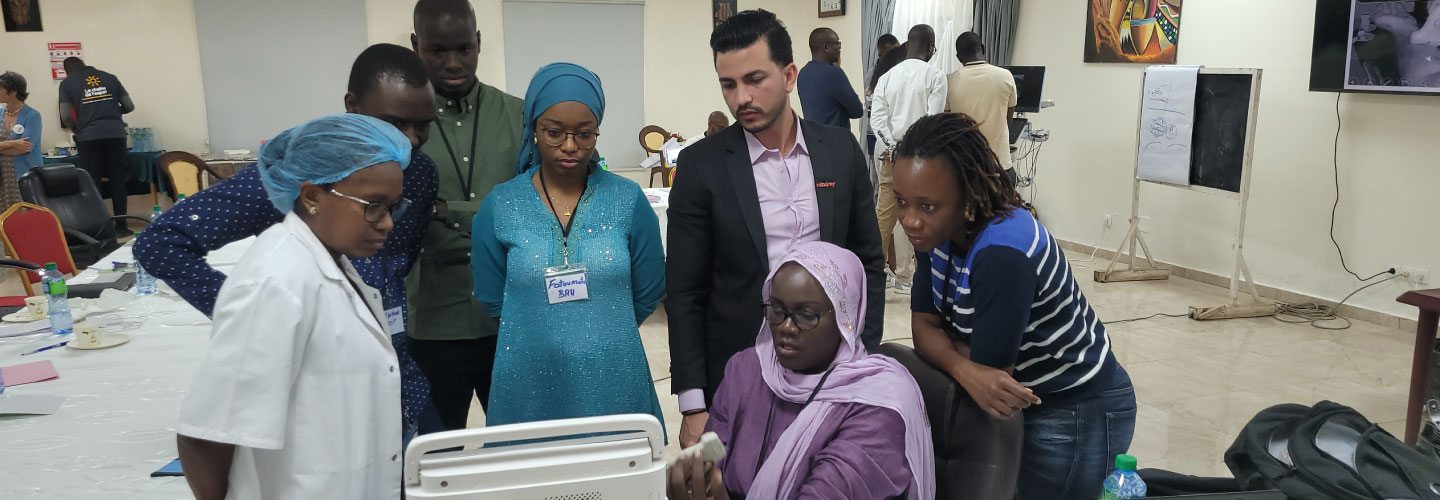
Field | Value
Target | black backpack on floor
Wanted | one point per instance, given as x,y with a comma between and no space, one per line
1329,452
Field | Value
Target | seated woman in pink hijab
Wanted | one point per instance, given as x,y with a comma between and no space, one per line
807,413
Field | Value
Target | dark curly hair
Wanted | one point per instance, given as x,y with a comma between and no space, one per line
13,82
985,192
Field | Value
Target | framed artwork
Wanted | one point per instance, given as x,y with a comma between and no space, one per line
832,8
21,15
722,10
1132,31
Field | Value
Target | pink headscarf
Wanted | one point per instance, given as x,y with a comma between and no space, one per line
858,377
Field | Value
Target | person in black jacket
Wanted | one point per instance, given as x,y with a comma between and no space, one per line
745,196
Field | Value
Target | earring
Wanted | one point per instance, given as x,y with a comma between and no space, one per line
314,210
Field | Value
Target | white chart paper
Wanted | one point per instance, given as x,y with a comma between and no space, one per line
1167,121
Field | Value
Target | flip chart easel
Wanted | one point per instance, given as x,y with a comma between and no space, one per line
1227,103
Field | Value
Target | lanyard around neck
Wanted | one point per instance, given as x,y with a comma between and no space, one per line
574,212
770,417
468,181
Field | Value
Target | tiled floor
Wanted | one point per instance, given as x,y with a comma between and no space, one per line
1197,383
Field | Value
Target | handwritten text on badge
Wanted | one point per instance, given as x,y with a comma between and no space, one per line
566,287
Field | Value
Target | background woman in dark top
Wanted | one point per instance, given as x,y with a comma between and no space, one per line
1001,313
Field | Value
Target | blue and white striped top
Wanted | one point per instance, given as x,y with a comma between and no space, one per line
1013,298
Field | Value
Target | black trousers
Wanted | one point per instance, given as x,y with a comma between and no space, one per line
105,158
456,370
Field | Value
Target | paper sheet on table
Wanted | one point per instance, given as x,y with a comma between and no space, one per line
650,162
30,404
19,329
28,373
658,196
1167,122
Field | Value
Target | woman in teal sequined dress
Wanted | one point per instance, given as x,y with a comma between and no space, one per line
568,347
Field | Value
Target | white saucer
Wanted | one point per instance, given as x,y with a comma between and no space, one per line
21,316
106,341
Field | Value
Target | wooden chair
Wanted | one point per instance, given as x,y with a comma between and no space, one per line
33,234
652,138
185,171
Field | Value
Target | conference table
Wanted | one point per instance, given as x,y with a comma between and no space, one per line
117,424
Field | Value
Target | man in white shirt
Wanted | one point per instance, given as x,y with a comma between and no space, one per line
911,90
986,93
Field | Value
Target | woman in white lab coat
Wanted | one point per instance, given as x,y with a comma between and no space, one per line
299,394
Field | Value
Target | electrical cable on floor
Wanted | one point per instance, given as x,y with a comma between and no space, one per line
1094,251
1152,316
1315,314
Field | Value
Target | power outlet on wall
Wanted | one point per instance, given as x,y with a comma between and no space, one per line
1109,220
1144,224
1413,274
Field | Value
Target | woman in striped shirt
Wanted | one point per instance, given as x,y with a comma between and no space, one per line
1000,312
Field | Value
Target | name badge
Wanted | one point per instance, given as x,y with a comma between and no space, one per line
566,284
394,321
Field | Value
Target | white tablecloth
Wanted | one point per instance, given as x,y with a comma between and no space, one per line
660,201
118,421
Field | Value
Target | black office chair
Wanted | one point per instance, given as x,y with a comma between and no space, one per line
977,457
69,191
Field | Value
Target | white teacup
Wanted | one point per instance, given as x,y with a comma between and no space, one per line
87,334
38,306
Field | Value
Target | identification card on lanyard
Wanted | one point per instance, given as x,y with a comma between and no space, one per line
394,321
566,283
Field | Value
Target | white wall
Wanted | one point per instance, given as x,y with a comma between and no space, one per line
152,47
149,45
257,85
680,85
392,21
1388,171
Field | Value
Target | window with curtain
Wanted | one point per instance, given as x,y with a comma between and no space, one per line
950,18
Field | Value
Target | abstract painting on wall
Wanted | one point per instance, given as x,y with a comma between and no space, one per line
1138,31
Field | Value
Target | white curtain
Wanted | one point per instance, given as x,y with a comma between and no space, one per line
950,18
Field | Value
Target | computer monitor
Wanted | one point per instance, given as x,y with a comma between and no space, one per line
1029,84
1017,127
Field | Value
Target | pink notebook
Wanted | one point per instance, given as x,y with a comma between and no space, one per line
29,373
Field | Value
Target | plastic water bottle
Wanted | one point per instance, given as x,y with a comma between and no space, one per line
144,281
61,323
1124,482
603,166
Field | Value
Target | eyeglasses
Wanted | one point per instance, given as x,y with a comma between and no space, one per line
836,44
804,320
555,137
375,211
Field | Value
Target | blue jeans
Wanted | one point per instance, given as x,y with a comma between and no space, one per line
1070,450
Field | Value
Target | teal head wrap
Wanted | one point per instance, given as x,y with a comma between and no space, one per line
551,85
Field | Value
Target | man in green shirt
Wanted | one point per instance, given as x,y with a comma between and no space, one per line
479,128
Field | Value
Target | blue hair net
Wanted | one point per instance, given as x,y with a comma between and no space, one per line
553,84
327,150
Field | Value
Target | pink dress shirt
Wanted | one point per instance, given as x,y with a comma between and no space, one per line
786,186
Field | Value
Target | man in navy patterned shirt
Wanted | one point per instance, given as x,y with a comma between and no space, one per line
387,82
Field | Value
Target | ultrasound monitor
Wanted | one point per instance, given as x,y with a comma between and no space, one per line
1029,84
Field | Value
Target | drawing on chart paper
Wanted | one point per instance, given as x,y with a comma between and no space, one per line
1137,31
1167,124
1394,46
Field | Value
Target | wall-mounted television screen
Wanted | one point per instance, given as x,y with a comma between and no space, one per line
1384,46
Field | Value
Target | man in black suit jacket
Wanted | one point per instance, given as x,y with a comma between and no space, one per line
720,244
